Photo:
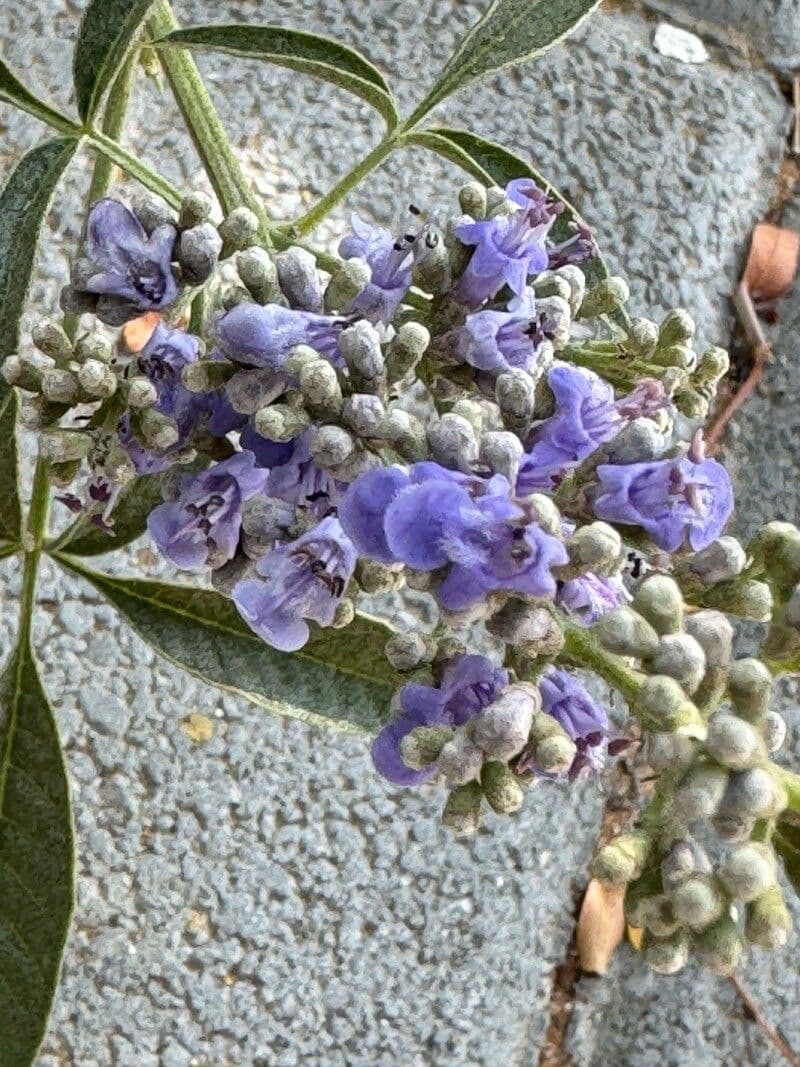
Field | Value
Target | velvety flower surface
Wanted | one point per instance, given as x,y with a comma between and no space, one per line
391,262
574,708
502,340
263,335
293,474
688,498
128,271
304,579
201,528
588,598
469,684
508,248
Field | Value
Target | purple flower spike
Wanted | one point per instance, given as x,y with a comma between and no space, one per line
391,262
363,509
501,340
469,684
508,248
201,528
263,336
293,474
304,580
128,271
688,497
588,598
586,721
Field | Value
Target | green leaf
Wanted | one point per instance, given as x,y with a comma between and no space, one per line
786,840
492,164
307,53
106,33
36,859
10,511
511,32
341,678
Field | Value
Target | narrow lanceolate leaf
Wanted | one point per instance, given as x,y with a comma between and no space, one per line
786,840
341,678
511,32
307,53
107,31
12,91
10,512
494,165
36,859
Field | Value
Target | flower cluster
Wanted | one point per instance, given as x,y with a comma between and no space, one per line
453,409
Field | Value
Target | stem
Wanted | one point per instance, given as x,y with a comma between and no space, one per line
34,537
208,134
134,167
113,121
582,646
323,207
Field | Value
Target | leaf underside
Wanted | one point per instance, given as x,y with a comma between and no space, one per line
340,678
307,53
36,859
107,30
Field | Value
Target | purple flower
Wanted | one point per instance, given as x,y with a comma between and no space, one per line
688,497
589,597
201,528
502,340
586,721
508,248
304,579
263,336
586,416
581,247
126,270
469,684
391,263
293,474
472,529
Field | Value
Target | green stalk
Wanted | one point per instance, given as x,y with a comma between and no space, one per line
208,134
113,121
34,536
114,151
580,645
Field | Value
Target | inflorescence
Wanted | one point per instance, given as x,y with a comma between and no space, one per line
455,410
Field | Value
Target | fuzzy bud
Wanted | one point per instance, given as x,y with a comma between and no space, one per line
748,599
750,688
432,266
140,392
406,349
195,209
700,793
360,346
553,749
198,251
158,431
607,296
576,281
331,446
453,443
462,812
666,955
502,452
698,902
298,278
348,280
97,379
660,601
712,367
734,743
681,657
528,627
501,787
460,760
721,561
364,413
595,547
319,386
669,752
623,859
719,947
685,859
151,210
344,614
753,794
642,337
681,356
64,446
472,199
558,316
627,633
502,728
406,433
678,328
51,339
773,730
258,273
203,375
238,230
637,442
60,386
420,748
407,649
515,392
280,422
748,871
664,701
714,633
659,917
22,372
95,347
544,512
768,921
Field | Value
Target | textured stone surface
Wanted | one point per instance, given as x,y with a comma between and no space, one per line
262,898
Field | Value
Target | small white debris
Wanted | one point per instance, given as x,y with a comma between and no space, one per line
679,44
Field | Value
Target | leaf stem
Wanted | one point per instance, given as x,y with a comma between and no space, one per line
580,645
114,151
35,533
113,122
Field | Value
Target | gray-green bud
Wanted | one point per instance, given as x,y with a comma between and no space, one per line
682,356
502,452
158,431
501,787
203,375
627,633
642,337
692,404
198,252
530,628
462,812
553,749
747,598
623,859
331,446
280,422
407,649
22,372
258,273
93,346
502,729
406,349
344,613
700,793
664,701
515,392
768,921
452,442
734,743
421,747
319,386
773,730
472,199
374,577
576,280
714,633
360,346
364,413
660,601
595,547
750,688
712,367
638,441
97,379
666,955
51,339
669,752
151,210
406,433
195,209
432,266
753,794
678,328
748,871
64,446
607,296
460,760
681,657
140,392
698,902
685,859
238,230
349,279
60,386
719,947
721,561
298,278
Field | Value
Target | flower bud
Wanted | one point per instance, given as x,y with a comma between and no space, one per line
501,787
22,372
659,916
558,317
348,280
198,253
666,955
360,346
685,859
140,392
280,422
748,871
195,209
158,431
768,921
93,346
778,545
627,633
319,387
472,199
258,273
576,280
595,547
63,474
660,601
51,339
203,375
238,231
298,278
265,520
719,947
623,859
331,446
714,633
36,412
663,700
344,614
734,743
502,728
700,792
432,266
501,451
406,433
544,512
407,649
698,901
669,752
681,657
60,386
639,441
462,812
733,828
515,392
691,404
530,628
97,379
712,367
460,760
750,688
773,730
406,349
682,356
607,296
453,443
642,337
720,561
64,446
365,414
553,749
678,328
753,794
421,747
151,210
748,599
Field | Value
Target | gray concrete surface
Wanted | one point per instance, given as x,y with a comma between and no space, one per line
262,898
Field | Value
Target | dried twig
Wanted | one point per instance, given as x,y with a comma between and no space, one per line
770,1032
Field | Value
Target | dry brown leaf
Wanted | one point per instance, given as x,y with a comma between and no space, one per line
772,262
137,332
636,936
601,926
